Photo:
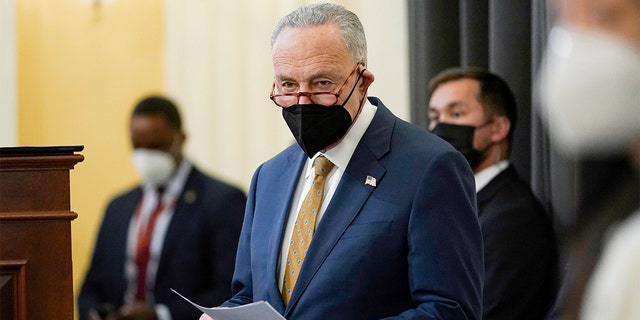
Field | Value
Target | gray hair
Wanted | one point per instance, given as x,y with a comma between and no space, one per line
327,13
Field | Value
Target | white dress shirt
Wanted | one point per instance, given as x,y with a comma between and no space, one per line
339,156
487,174
146,207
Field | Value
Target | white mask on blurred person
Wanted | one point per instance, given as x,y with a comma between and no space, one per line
155,167
590,92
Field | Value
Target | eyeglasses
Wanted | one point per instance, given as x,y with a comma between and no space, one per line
327,99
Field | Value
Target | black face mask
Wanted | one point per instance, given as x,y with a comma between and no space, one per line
315,126
461,138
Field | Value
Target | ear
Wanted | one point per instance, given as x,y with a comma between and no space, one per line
183,136
366,80
500,128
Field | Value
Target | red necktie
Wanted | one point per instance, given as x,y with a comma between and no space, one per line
142,250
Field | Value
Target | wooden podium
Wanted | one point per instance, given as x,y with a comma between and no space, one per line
35,232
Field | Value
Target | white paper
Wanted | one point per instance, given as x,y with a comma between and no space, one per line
260,310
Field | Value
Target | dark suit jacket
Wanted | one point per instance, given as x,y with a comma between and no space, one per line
409,247
521,259
197,256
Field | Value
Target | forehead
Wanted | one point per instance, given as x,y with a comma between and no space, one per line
150,128
620,18
301,52
461,91
149,121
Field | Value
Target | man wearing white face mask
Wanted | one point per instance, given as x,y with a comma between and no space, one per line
590,90
179,229
591,77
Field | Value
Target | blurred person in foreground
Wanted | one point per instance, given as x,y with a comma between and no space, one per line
398,236
590,97
475,110
178,229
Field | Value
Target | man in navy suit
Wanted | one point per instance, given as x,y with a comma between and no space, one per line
475,110
179,229
397,235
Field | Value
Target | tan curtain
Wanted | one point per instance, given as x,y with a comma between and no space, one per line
218,67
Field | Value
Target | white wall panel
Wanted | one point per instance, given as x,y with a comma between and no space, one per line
8,112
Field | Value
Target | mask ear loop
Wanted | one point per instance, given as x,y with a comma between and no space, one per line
364,97
353,88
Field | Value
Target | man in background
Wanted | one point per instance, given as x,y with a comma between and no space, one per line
590,102
366,216
178,229
475,111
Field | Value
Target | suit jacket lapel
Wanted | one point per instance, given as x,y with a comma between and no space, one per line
488,192
351,194
287,183
184,208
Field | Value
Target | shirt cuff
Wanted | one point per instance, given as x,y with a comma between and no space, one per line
162,311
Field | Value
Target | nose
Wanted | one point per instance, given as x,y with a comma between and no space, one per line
304,99
303,96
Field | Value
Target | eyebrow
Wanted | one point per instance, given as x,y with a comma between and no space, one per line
450,105
321,74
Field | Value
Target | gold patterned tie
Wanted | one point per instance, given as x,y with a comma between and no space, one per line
304,226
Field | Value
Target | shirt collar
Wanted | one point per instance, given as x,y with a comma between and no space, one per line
342,152
486,175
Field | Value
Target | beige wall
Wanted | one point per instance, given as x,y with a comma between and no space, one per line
82,64
218,67
8,123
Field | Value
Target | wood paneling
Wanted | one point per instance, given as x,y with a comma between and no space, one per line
35,232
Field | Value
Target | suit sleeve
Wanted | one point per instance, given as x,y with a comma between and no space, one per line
445,243
214,244
520,255
226,243
105,267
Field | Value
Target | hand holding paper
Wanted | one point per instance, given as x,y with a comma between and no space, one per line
259,310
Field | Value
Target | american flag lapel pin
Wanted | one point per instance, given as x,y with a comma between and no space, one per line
370,181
